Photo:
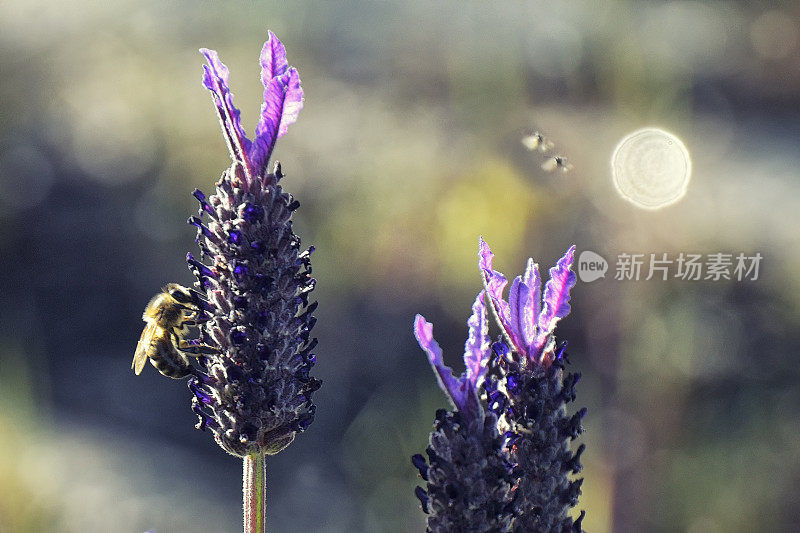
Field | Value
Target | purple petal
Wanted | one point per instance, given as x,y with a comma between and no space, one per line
215,79
476,349
456,389
495,283
283,100
292,101
273,59
532,307
556,300
519,297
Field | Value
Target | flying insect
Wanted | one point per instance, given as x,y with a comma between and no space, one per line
557,162
537,141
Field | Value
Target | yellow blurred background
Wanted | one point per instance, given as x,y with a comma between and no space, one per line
408,148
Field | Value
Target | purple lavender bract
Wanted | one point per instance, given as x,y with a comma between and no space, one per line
254,395
528,321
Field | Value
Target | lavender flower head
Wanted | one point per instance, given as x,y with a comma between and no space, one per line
469,480
529,372
501,461
255,393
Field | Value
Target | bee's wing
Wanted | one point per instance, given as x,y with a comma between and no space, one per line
140,356
531,142
550,165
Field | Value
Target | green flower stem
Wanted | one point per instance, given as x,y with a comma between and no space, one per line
254,488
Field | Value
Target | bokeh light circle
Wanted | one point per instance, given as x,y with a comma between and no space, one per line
651,168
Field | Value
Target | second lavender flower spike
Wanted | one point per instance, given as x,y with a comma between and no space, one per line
501,461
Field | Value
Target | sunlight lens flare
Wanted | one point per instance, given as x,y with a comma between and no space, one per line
651,168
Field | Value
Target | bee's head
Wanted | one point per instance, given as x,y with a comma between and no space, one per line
179,293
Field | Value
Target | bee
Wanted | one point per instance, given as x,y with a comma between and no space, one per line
557,162
537,141
168,316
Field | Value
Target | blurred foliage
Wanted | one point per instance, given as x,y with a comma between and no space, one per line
23,507
407,149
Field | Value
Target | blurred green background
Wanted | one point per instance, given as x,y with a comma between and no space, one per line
407,149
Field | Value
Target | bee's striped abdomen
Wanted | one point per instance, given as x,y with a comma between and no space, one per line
167,359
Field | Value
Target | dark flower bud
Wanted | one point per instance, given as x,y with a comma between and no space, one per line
419,463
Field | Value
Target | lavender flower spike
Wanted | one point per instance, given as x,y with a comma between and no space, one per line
256,393
528,323
530,391
469,480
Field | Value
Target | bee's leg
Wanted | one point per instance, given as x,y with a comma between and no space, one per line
188,311
189,317
195,348
193,317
